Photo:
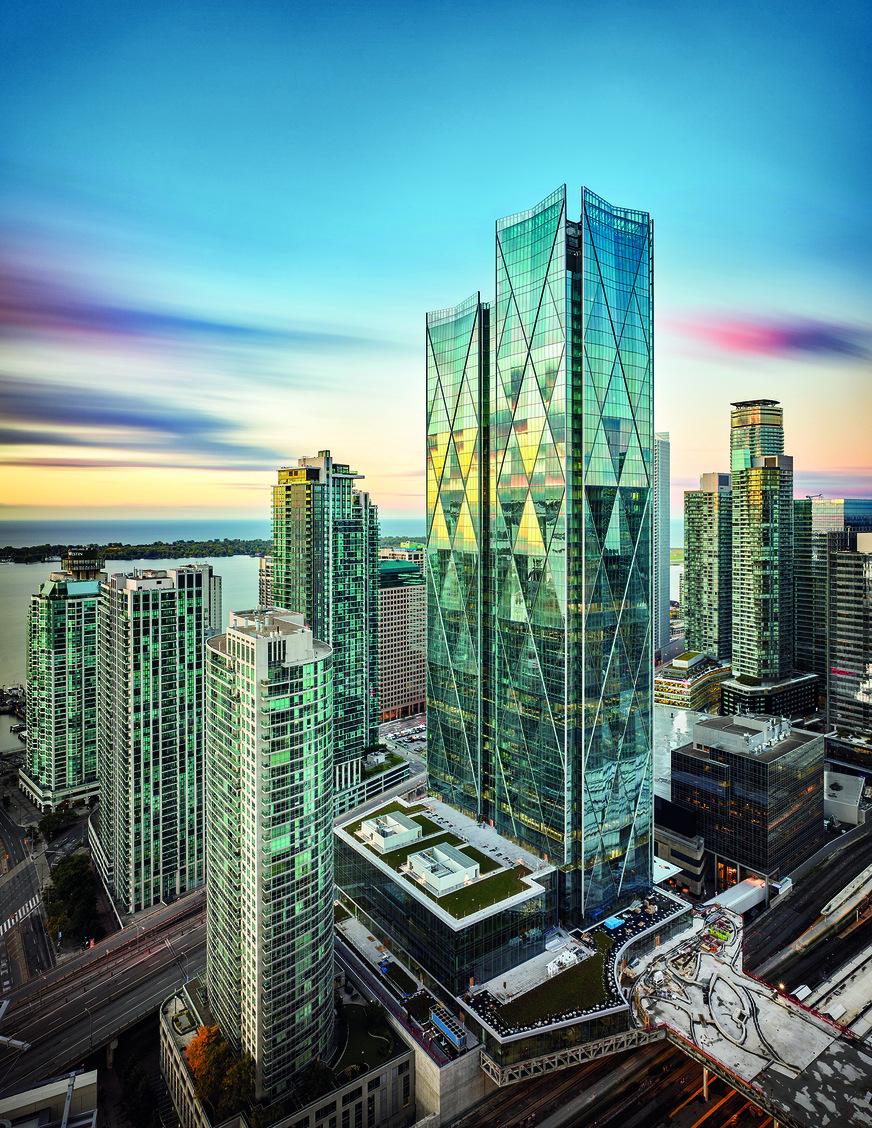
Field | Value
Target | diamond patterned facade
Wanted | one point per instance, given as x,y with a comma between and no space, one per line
544,726
457,398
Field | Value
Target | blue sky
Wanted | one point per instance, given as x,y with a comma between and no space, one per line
222,224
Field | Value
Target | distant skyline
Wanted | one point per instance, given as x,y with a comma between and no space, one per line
222,226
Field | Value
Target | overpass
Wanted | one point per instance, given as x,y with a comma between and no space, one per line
85,1003
802,1068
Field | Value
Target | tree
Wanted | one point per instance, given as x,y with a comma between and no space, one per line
53,824
198,1052
224,1082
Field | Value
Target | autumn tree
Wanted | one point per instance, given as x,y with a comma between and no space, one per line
223,1081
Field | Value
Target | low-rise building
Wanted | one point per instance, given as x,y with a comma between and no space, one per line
462,902
756,785
410,552
383,1097
792,696
691,681
677,842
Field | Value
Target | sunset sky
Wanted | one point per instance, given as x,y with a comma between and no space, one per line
222,224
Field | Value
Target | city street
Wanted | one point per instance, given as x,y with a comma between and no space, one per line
86,1002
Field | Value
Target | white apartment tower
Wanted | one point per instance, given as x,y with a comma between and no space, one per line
269,842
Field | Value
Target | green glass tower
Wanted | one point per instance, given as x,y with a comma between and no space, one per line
540,549
325,565
707,599
148,840
61,759
269,842
762,489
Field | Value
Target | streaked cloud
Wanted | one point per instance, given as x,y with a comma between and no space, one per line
851,481
34,303
63,415
780,338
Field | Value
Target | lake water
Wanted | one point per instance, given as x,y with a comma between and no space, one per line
18,534
18,582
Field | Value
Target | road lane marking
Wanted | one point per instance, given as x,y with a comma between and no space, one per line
19,915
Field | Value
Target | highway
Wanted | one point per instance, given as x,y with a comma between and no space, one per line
84,1003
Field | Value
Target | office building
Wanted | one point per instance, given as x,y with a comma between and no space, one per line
402,639
662,631
269,808
325,565
60,764
409,551
756,786
814,519
540,446
264,581
691,681
763,577
707,590
147,835
849,634
460,911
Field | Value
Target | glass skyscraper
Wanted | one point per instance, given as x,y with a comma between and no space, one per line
61,760
540,549
325,565
762,487
152,629
662,628
269,839
707,595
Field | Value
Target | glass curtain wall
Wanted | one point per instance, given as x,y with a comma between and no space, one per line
540,585
457,420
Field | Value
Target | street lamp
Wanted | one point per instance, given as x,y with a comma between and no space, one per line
90,1027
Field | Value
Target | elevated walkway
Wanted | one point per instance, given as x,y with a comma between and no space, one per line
802,1068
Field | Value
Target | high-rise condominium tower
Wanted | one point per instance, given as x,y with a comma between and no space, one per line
814,519
763,576
539,554
662,631
269,806
849,634
325,565
153,625
708,567
762,488
61,759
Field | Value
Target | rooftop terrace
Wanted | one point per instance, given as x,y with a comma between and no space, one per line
506,871
534,996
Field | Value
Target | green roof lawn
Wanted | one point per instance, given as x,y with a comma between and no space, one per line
480,894
395,858
391,761
486,864
428,825
578,988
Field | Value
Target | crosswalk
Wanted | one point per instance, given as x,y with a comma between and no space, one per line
19,915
